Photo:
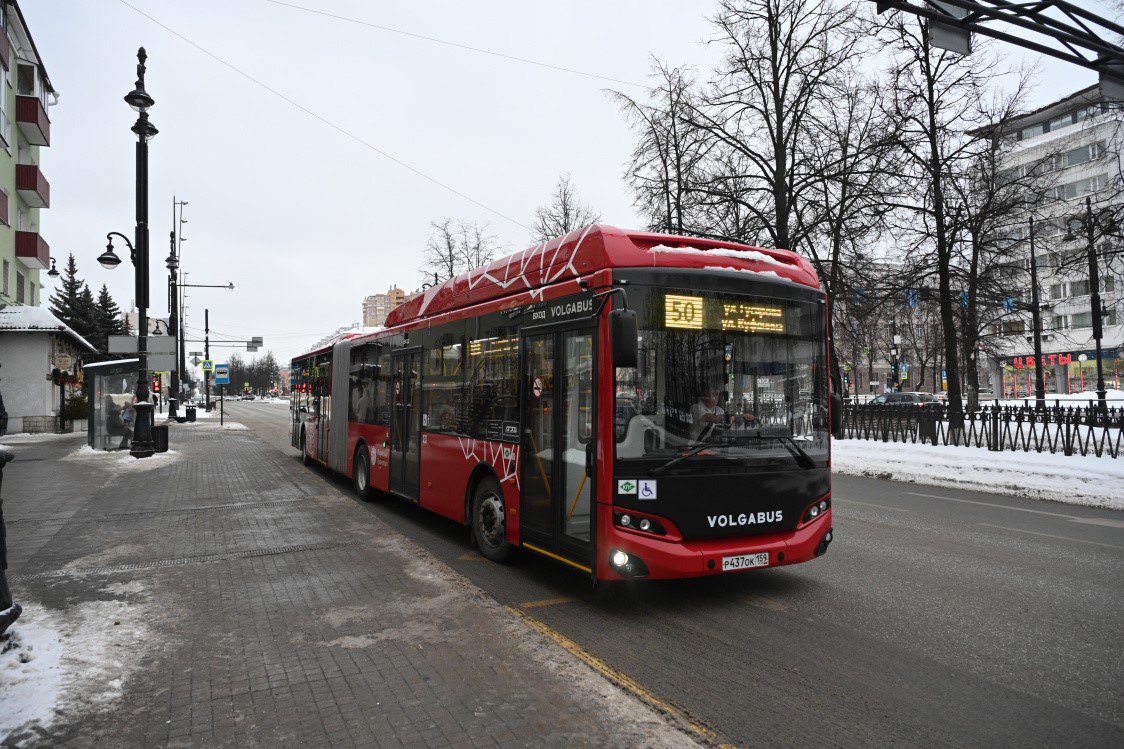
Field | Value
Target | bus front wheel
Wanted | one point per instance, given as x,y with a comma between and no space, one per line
305,457
488,521
363,475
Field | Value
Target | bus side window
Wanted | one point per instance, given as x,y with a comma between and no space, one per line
492,403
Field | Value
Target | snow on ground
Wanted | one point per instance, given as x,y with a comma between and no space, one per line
1073,479
121,460
61,663
25,438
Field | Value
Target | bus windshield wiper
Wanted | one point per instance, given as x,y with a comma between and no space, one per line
803,459
679,458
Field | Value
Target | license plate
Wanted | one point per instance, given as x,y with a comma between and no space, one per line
745,562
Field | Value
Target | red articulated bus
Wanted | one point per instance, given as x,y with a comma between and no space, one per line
631,404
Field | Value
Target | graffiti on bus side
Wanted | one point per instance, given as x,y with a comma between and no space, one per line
503,458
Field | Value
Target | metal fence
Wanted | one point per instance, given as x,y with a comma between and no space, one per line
1070,430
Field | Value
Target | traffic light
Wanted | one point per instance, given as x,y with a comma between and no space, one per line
156,384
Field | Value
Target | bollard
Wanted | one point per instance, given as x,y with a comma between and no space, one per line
9,609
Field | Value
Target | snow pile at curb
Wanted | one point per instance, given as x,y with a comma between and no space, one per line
65,663
1073,479
121,460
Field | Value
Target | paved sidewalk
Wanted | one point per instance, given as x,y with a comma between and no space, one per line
222,595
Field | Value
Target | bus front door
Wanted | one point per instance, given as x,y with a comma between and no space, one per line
557,447
405,428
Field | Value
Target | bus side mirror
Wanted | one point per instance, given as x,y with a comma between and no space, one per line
623,337
836,416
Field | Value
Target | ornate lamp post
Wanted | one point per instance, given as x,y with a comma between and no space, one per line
139,100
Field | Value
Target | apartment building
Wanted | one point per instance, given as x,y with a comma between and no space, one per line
377,306
26,94
1076,142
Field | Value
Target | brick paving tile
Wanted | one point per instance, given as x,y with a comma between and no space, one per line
259,607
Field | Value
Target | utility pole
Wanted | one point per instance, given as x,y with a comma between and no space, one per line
173,325
1036,318
207,356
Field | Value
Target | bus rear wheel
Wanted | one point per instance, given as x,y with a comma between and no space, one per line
488,521
363,475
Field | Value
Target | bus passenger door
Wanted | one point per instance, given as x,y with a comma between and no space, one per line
405,426
557,506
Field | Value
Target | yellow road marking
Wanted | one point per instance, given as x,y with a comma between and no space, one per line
546,602
620,679
555,556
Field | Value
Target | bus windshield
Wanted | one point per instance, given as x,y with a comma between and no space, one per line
724,382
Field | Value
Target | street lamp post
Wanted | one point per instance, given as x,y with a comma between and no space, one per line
1036,318
173,264
139,100
1095,301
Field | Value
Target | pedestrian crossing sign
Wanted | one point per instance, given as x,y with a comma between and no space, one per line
208,365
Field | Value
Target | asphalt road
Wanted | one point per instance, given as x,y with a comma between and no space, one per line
938,617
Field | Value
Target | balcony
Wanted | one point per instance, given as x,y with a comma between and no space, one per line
31,116
32,250
32,186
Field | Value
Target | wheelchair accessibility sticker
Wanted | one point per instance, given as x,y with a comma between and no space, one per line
647,489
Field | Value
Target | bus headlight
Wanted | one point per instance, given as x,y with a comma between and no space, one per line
647,525
815,510
627,565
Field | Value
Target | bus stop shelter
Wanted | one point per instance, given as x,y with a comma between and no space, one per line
110,386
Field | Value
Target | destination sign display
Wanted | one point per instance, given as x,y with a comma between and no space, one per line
683,312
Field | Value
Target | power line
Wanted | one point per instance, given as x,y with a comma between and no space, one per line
457,44
325,120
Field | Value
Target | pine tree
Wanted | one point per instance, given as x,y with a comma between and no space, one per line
64,301
84,320
107,320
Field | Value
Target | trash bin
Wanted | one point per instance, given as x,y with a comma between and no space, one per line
190,413
160,438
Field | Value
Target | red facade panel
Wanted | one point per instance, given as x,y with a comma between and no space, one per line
31,116
33,250
33,186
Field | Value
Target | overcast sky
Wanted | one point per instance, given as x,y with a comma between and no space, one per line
301,217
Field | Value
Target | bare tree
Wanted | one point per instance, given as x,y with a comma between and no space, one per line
781,64
564,213
933,99
665,164
455,247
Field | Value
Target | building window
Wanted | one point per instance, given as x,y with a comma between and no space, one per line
1057,291
21,219
1079,288
7,268
19,288
5,123
1060,322
4,209
1082,320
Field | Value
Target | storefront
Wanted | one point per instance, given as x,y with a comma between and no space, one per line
40,359
1067,372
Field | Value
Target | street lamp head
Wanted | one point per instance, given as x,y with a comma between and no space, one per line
230,287
144,129
109,259
53,272
171,262
138,98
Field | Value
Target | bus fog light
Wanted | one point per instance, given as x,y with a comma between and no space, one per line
619,559
814,511
645,524
823,505
626,520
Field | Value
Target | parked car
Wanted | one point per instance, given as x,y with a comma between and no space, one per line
906,399
248,397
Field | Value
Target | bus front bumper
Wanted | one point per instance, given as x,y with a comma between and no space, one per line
663,560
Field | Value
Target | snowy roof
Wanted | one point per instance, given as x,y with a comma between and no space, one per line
18,318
